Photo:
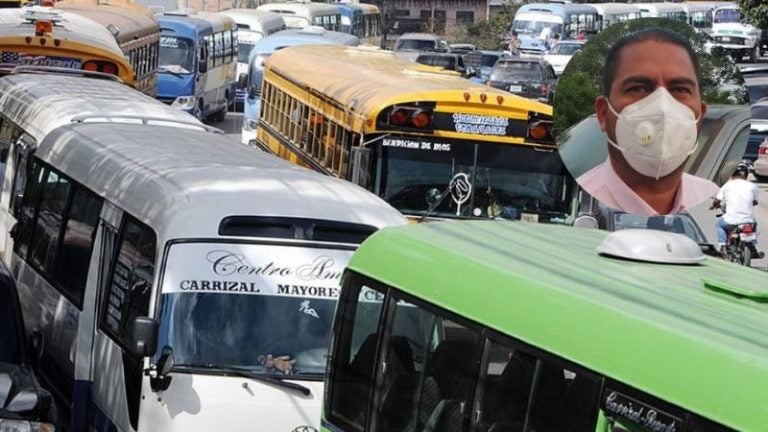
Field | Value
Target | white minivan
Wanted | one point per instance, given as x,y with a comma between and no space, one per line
178,280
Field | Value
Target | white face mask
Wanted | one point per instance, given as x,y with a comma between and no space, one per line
655,134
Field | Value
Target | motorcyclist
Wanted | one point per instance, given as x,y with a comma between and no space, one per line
738,196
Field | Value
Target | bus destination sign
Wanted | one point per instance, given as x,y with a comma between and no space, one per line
477,124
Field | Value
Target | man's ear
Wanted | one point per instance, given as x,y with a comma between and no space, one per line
703,111
601,110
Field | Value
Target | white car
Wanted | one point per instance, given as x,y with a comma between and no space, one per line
761,163
561,54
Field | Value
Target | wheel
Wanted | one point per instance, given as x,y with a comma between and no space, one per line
746,255
754,54
220,115
731,253
199,112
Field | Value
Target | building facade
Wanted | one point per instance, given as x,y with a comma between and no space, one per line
437,16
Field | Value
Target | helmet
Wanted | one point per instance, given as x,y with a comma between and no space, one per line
742,169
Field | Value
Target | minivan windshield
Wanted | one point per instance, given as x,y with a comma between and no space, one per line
264,308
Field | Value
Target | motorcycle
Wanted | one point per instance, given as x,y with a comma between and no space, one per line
741,245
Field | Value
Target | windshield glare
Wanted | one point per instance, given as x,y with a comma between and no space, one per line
177,55
728,16
507,181
244,305
535,27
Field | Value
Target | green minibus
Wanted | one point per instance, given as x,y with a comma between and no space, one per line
490,326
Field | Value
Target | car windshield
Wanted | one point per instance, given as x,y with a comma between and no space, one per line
238,305
534,28
506,181
415,45
565,49
177,55
676,223
10,320
513,71
728,16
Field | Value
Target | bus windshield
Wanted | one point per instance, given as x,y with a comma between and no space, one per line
177,55
728,16
264,308
535,27
504,181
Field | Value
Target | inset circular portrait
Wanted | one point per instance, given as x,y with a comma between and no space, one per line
652,117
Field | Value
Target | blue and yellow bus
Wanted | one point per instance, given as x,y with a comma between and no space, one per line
198,62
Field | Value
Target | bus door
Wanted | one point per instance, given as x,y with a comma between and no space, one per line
127,257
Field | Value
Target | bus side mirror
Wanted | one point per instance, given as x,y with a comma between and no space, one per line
242,80
360,162
144,339
202,66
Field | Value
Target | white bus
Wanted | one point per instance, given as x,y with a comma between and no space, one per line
178,280
303,14
33,105
673,11
252,26
699,15
612,13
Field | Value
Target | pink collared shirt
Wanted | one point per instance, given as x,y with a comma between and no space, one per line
606,186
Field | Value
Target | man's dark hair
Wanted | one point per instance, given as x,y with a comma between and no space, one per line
656,34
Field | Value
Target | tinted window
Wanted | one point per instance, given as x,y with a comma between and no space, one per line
130,286
360,308
415,45
45,234
10,321
516,70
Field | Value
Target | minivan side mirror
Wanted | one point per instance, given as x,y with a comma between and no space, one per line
242,80
144,339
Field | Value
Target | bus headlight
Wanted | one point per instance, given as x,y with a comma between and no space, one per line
184,102
20,425
251,124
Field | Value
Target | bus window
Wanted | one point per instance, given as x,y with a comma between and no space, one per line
360,310
428,374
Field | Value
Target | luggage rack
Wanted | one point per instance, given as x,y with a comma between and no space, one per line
39,69
84,118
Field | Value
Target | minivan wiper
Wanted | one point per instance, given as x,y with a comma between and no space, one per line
247,373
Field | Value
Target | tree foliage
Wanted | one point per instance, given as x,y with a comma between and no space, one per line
487,34
582,80
755,12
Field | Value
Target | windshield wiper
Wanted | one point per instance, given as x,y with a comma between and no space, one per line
247,373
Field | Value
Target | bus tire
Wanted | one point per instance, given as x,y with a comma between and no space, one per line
754,54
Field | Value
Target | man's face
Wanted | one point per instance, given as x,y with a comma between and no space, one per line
644,67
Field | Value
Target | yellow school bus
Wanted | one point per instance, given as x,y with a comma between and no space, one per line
430,143
43,37
136,31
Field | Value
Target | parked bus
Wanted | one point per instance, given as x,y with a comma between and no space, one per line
427,141
135,30
46,38
673,11
262,50
198,62
534,20
153,245
252,26
32,105
612,13
304,14
362,20
699,15
500,327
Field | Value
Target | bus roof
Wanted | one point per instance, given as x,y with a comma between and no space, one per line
176,179
346,74
660,7
71,27
655,327
301,9
131,22
697,7
307,36
194,22
561,9
42,102
252,19
609,8
369,9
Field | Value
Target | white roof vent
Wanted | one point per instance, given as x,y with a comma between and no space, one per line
651,246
